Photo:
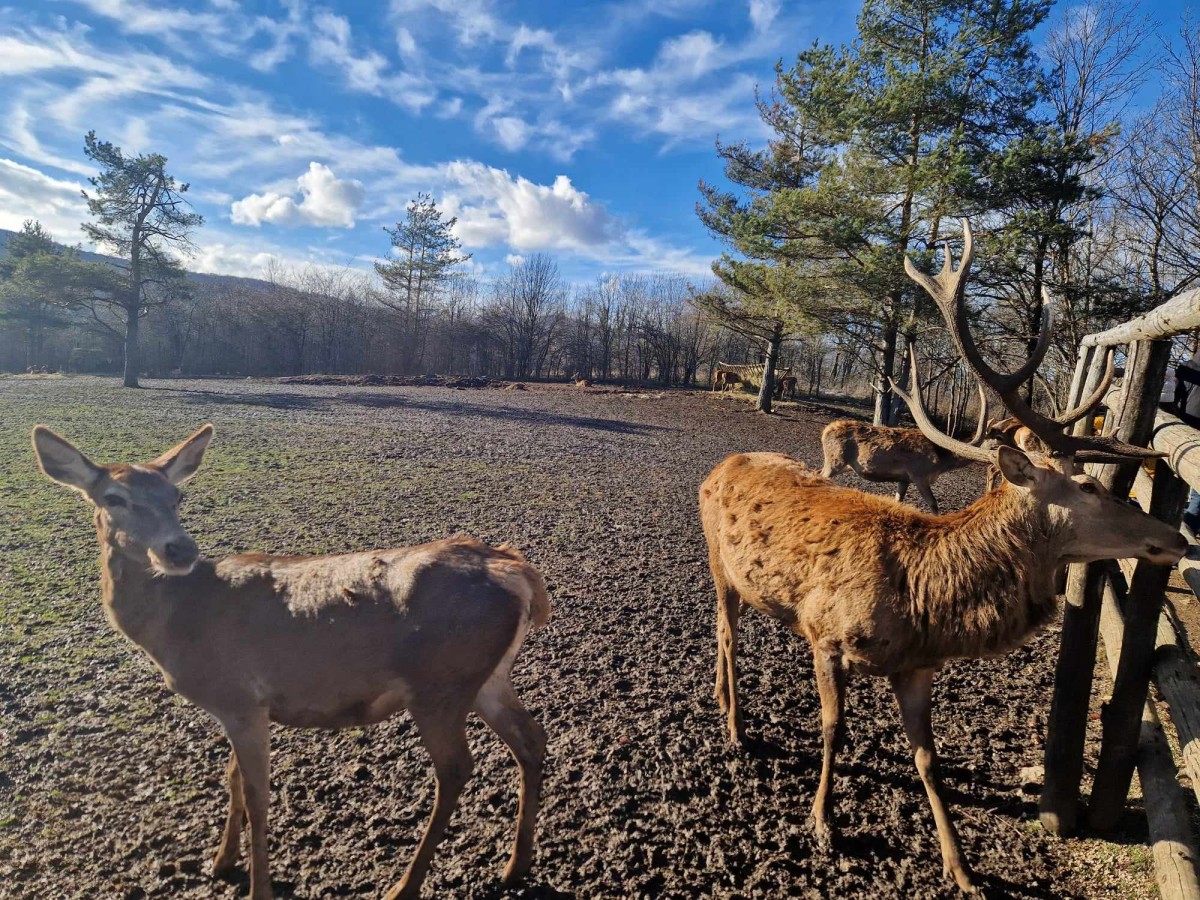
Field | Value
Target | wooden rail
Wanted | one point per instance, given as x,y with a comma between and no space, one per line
1176,316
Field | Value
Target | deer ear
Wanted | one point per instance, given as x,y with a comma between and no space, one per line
1018,468
181,462
60,461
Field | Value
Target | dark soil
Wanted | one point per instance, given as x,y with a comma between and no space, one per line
112,787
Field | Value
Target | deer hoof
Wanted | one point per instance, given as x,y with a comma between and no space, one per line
824,835
963,879
225,864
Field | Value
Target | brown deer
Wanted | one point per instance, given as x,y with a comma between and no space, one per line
316,641
726,379
903,455
882,589
786,385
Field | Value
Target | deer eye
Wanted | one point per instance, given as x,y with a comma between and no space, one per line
1088,488
114,500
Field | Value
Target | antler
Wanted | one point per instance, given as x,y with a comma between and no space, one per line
1071,416
916,405
947,290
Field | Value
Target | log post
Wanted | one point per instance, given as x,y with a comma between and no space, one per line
1067,727
1121,717
1167,814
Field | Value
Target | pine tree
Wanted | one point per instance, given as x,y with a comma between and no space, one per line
424,255
141,215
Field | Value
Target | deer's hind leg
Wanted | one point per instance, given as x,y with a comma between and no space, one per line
831,685
231,840
443,732
728,611
499,706
250,734
914,691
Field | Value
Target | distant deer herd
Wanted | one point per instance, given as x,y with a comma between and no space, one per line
875,588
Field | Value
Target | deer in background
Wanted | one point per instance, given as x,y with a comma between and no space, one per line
882,589
726,379
316,641
786,385
884,453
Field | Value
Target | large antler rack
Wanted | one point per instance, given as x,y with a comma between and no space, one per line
947,289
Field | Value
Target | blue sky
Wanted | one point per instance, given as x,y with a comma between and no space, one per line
579,129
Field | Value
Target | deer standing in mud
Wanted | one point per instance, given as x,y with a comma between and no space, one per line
882,589
903,455
316,641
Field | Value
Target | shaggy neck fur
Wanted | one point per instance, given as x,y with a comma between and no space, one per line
981,580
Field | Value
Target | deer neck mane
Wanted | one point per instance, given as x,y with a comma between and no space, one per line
982,579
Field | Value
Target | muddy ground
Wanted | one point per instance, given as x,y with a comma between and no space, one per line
112,787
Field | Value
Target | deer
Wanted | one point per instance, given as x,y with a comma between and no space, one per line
786,385
726,379
885,453
882,589
334,641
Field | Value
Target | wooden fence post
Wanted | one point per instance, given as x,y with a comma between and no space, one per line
1121,717
1067,727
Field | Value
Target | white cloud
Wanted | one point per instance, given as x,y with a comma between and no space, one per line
330,42
512,132
514,259
494,208
26,193
763,13
325,200
472,20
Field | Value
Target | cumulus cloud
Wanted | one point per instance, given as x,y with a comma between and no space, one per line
325,200
495,208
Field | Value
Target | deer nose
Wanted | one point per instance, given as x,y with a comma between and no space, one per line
181,551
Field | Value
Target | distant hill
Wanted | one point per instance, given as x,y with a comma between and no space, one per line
199,277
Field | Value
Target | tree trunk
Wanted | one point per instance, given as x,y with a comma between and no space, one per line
132,353
883,394
766,391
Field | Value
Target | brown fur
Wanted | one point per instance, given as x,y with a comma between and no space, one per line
882,453
319,641
726,379
882,589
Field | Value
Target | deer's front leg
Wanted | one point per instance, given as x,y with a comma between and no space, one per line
913,691
231,841
250,735
831,684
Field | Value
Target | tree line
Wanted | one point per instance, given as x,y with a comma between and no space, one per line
941,109
937,109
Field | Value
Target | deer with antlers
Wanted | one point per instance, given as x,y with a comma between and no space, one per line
321,642
882,589
903,455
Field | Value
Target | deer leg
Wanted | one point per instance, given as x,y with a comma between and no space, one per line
925,489
913,691
728,611
901,490
443,732
500,707
831,684
251,739
235,821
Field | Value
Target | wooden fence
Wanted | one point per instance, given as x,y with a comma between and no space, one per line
1126,604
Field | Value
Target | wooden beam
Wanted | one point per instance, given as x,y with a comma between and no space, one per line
1171,838
1181,443
1174,317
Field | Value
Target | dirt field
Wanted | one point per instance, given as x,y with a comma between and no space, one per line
112,787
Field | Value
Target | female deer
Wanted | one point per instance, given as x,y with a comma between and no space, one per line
316,641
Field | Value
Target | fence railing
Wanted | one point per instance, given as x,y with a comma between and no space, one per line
1126,604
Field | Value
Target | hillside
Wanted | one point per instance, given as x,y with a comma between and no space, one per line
199,277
